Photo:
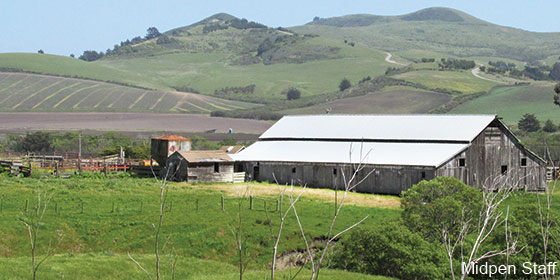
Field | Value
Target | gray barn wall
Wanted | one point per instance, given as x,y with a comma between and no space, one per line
204,172
383,179
493,148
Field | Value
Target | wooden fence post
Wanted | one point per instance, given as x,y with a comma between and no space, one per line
26,202
222,203
250,202
277,205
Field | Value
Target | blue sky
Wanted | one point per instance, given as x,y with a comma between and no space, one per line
63,26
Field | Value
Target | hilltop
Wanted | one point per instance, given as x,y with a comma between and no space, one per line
387,59
441,30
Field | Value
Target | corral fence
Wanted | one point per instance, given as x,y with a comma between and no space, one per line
255,203
59,206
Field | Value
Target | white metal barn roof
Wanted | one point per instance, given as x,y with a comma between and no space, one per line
460,128
411,154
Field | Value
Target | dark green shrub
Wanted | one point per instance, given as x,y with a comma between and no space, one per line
391,250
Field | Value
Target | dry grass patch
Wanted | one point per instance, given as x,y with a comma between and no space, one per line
326,195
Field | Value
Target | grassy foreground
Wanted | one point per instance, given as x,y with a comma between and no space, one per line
104,266
100,220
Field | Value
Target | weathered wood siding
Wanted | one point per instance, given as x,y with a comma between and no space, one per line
204,172
487,156
382,180
200,172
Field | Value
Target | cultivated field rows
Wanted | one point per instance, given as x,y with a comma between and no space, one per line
30,92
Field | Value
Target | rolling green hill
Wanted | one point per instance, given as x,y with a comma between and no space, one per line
242,61
441,30
513,102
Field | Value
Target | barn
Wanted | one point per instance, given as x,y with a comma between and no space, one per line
397,151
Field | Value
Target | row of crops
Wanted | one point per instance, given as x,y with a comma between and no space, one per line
29,92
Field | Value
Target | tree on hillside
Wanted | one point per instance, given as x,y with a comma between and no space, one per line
40,51
549,126
293,93
557,95
151,33
529,123
344,84
555,72
91,55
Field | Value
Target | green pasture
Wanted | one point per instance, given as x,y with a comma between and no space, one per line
99,220
209,72
511,103
462,81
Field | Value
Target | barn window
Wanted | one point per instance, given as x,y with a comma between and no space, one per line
334,171
293,170
216,167
423,175
524,162
504,169
462,162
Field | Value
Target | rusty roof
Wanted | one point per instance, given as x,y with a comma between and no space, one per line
205,156
172,137
232,149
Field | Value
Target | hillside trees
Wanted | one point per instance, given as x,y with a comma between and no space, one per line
555,72
557,94
91,55
293,93
549,126
344,84
534,73
152,33
529,123
452,63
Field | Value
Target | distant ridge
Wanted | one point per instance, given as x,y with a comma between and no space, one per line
429,14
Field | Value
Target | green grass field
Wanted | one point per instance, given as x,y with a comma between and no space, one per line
209,72
390,100
511,103
39,93
462,81
117,266
118,214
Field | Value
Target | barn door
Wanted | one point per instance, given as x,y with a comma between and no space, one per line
256,173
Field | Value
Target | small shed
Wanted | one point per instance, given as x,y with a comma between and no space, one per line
201,166
163,146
